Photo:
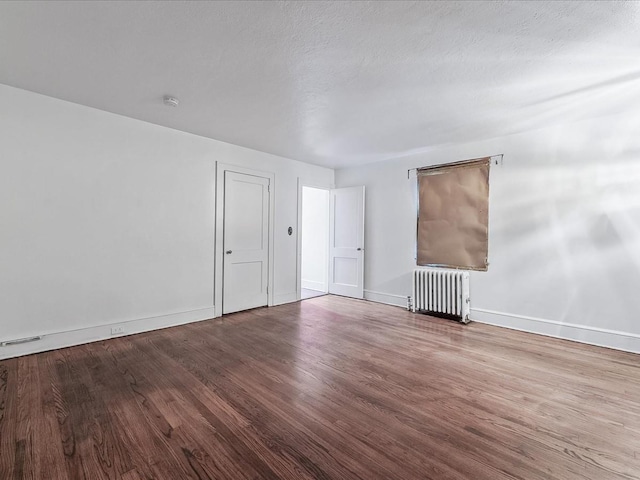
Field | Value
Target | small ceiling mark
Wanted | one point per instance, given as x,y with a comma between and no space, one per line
170,101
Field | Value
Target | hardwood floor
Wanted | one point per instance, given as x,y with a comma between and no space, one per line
329,388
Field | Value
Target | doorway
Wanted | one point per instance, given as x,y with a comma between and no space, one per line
314,230
334,216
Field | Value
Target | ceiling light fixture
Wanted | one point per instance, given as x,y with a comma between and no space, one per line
170,101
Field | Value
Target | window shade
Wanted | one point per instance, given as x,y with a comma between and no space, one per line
453,215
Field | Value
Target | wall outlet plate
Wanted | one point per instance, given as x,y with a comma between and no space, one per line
117,330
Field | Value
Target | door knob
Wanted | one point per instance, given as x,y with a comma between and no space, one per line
228,252
359,249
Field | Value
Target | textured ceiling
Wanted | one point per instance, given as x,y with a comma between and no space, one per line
331,83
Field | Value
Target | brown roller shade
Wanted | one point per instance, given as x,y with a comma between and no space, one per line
453,215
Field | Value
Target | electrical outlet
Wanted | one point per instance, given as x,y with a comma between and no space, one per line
117,330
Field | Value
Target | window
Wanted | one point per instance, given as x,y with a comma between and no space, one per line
453,215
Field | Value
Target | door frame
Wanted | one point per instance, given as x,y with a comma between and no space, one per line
308,183
218,277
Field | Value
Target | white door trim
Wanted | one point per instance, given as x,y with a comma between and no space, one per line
219,233
306,183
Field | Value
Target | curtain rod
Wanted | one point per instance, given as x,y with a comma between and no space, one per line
496,162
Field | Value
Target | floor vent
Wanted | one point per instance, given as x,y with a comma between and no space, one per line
19,341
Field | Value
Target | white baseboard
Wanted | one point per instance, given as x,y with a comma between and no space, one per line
615,339
386,298
311,285
285,298
54,341
628,342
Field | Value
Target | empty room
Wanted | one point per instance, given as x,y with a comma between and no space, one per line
319,240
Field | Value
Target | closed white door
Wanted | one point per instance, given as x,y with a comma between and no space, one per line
246,242
346,250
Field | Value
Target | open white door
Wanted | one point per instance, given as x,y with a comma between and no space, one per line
346,249
246,242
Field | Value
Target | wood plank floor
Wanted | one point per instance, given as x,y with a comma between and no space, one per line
329,388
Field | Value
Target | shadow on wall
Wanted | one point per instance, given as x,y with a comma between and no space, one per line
565,230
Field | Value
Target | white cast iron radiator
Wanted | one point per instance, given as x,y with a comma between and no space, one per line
441,291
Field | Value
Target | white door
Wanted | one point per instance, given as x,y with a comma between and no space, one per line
245,242
346,249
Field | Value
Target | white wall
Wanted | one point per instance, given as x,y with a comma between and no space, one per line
315,238
564,247
106,219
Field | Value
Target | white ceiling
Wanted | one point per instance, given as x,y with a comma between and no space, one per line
331,83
